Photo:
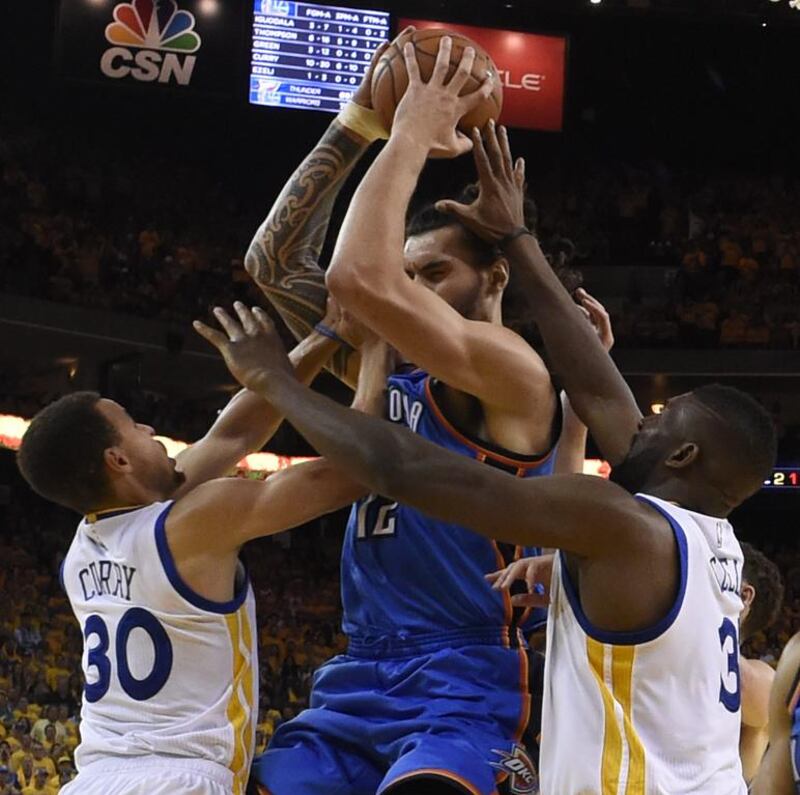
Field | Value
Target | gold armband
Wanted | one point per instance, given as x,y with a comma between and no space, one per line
362,121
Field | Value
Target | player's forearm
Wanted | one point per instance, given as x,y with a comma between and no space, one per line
590,377
248,422
283,257
371,241
391,460
571,451
376,360
308,359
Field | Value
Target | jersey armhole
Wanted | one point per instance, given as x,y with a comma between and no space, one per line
643,635
183,590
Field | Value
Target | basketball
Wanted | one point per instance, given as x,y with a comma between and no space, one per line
390,80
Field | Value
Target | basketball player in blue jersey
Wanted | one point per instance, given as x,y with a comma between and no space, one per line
779,773
157,555
646,585
413,588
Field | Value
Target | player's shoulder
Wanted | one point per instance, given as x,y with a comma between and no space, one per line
756,670
209,498
790,657
756,677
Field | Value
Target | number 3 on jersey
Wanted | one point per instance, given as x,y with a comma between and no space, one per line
731,699
377,517
97,656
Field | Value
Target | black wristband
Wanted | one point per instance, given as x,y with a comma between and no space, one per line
512,236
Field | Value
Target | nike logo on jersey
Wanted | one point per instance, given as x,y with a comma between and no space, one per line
728,574
105,578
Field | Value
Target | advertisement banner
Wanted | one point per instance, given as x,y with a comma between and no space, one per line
178,44
532,70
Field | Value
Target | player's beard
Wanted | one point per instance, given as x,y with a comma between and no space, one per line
634,472
467,304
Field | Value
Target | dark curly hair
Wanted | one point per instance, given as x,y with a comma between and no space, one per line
760,572
560,253
61,455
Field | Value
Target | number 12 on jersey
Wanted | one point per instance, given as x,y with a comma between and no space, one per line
376,517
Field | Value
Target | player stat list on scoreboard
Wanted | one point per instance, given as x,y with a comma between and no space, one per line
311,56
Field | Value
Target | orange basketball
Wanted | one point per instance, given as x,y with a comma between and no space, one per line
390,79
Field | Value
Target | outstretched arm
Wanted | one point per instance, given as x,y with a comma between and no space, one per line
283,257
248,422
391,460
571,453
595,387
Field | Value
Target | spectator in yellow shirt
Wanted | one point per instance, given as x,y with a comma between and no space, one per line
55,671
20,739
39,785
41,759
24,772
23,749
66,770
25,710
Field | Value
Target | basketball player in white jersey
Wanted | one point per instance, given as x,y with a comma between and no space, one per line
779,773
642,681
154,578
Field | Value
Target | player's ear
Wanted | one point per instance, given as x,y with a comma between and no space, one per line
499,274
683,456
115,460
748,596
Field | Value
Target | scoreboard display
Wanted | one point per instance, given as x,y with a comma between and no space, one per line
311,56
784,479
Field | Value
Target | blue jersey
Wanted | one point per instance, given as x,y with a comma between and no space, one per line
412,582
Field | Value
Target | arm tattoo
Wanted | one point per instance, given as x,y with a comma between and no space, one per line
283,257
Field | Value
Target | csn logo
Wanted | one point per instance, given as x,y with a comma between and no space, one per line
153,42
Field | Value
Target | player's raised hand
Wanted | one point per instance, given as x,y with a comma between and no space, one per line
598,316
500,206
251,347
537,574
429,112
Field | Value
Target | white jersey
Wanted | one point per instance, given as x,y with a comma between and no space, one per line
168,673
655,712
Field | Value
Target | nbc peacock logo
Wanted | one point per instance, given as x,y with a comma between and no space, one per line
153,41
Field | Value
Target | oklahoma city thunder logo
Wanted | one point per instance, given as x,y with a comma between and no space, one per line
523,779
152,41
153,25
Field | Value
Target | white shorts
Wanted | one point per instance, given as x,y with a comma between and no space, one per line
151,776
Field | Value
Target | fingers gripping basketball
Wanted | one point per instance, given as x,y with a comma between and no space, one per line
390,78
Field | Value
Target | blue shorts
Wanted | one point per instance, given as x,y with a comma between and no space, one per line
457,714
